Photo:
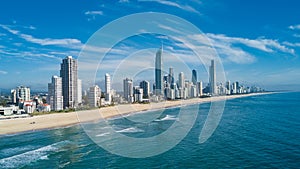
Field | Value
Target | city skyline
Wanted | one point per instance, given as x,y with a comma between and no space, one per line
251,49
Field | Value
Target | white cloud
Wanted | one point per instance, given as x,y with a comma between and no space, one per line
292,44
266,45
68,42
93,13
294,27
173,4
123,1
49,41
3,72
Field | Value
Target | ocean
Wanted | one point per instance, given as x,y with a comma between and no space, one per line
254,132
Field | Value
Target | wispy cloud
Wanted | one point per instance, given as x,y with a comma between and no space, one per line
123,1
292,44
67,42
3,72
93,13
174,4
294,27
266,45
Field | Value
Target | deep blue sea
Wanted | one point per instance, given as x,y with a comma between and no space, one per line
254,132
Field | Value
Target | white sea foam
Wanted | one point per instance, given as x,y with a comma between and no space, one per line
15,150
102,134
168,117
130,130
28,157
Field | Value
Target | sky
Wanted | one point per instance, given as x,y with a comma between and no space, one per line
258,42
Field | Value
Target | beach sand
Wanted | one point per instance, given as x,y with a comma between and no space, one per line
11,126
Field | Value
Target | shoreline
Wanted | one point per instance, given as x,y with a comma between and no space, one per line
60,120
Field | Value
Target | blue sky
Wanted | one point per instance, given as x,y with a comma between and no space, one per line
257,41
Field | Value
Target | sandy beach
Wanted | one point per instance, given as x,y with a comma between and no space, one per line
11,126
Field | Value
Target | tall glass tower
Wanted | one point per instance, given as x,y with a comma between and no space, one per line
212,78
194,76
158,72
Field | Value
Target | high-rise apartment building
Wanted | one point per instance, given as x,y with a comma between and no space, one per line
107,88
55,98
68,73
128,90
21,93
145,85
94,96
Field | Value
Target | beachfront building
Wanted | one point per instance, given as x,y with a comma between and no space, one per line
20,94
68,73
7,111
228,87
79,91
212,78
94,96
107,88
128,90
55,98
158,73
138,94
199,87
145,85
194,77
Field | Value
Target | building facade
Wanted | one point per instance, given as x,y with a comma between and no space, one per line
212,78
145,85
128,90
68,73
94,96
55,98
158,73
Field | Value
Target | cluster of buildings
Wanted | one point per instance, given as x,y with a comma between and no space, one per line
166,87
65,91
22,103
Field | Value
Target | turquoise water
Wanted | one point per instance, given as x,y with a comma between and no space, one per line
254,132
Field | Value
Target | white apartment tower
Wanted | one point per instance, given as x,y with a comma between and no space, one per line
55,98
21,93
181,80
68,73
79,91
94,96
128,90
107,88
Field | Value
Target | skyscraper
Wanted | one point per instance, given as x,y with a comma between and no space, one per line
212,78
68,73
145,85
181,80
158,72
228,87
94,96
128,90
79,91
107,88
171,75
55,98
194,76
199,88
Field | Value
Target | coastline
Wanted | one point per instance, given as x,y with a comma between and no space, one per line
57,120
